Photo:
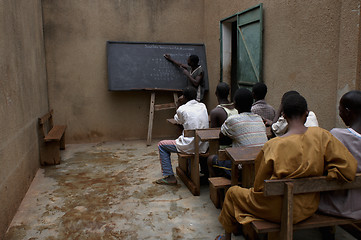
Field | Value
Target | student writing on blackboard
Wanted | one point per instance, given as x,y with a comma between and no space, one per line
194,73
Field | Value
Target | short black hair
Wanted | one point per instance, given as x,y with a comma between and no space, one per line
243,100
190,93
222,90
352,100
194,59
289,93
294,105
259,90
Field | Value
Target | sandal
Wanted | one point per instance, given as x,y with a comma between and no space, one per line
220,237
164,181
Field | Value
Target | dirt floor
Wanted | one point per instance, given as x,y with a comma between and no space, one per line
106,191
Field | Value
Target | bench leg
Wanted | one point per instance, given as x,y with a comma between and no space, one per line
183,164
50,153
62,142
195,174
214,195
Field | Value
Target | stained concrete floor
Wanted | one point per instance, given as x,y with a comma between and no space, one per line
105,191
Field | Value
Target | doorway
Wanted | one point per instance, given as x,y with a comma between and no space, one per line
241,48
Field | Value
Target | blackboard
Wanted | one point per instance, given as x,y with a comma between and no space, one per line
141,65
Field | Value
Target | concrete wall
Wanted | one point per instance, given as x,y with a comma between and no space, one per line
23,98
75,37
309,46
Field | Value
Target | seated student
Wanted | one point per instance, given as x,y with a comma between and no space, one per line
347,203
192,115
260,107
224,108
280,125
244,129
301,152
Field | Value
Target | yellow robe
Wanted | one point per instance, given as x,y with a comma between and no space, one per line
314,153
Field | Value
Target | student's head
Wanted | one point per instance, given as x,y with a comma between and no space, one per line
259,91
295,106
289,93
189,93
193,60
243,100
350,107
222,90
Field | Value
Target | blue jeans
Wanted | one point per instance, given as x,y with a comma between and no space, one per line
166,147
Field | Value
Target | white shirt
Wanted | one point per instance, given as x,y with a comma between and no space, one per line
192,115
280,127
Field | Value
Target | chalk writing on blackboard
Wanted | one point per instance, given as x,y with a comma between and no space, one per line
133,66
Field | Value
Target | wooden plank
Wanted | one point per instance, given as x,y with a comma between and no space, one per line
172,121
208,134
287,212
189,132
56,133
186,155
45,118
219,182
190,185
222,155
243,155
195,166
49,153
308,185
234,174
248,175
151,116
164,106
315,221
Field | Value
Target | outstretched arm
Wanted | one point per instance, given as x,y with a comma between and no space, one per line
170,59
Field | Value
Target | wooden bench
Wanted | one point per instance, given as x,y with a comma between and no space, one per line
218,186
52,140
288,188
189,173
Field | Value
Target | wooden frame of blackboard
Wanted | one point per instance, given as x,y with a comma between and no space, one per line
142,66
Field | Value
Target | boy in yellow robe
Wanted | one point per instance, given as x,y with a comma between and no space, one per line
301,152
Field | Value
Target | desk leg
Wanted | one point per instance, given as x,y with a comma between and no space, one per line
248,175
151,116
234,175
195,167
213,147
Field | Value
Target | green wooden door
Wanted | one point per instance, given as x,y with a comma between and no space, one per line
249,49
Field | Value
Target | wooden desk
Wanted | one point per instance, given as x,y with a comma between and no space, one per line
246,157
192,179
172,121
212,136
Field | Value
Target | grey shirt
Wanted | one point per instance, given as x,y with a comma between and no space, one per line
345,203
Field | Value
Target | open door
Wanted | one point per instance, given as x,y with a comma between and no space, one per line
241,48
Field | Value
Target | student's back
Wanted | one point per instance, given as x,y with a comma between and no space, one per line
301,152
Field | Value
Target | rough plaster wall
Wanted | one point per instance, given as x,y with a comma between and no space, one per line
23,98
75,37
349,50
309,46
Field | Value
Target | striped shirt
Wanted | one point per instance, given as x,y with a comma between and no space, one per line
263,109
245,129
